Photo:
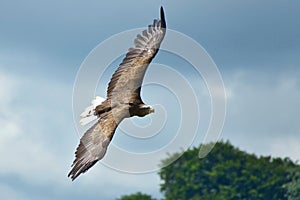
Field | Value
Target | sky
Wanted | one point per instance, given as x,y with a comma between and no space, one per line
255,45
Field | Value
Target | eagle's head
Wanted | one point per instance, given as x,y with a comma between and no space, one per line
141,110
145,110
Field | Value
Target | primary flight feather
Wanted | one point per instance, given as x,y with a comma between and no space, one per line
123,98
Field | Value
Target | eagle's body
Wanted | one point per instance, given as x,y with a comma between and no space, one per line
123,98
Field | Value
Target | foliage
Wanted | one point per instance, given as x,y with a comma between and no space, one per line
293,187
136,196
228,173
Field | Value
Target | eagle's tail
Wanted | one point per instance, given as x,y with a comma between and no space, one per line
88,114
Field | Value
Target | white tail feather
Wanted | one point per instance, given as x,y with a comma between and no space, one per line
88,114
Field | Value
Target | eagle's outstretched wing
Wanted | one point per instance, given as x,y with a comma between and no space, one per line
94,142
126,82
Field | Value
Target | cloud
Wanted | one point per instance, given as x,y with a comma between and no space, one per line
9,193
263,110
24,148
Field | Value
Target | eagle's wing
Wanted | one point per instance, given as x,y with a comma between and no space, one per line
126,82
94,142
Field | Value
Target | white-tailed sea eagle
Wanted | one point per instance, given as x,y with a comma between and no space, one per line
123,98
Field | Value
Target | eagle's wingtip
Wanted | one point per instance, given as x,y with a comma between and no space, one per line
162,17
71,175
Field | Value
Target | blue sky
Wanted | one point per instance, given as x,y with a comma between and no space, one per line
255,45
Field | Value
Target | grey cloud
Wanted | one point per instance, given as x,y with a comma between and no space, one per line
263,109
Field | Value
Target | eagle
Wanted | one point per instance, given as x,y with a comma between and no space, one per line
123,98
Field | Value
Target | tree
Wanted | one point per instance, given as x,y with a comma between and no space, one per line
228,173
136,196
293,187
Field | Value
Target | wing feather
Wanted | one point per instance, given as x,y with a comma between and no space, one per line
126,81
94,142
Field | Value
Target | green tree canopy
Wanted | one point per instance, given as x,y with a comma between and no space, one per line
136,196
229,173
293,187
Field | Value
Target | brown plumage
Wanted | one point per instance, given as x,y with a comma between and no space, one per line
123,98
